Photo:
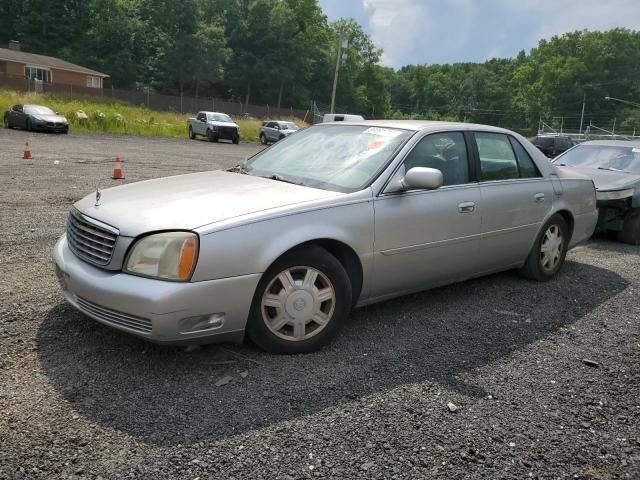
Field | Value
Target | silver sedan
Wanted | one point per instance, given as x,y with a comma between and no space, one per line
337,216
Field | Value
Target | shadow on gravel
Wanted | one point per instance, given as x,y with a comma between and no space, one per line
166,396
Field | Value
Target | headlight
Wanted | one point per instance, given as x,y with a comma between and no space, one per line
615,194
168,256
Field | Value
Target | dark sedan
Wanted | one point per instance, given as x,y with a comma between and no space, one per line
35,117
614,167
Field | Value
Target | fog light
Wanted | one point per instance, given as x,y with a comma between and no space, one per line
203,322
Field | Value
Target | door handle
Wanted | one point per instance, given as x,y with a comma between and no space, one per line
466,207
538,197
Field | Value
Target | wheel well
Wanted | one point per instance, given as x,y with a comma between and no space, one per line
569,219
346,256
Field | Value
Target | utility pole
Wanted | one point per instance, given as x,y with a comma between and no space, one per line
584,99
342,43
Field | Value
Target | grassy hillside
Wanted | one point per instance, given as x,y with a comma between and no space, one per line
113,116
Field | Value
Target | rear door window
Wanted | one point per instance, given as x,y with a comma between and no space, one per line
497,159
528,169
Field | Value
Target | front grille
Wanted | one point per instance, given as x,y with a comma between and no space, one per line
227,132
89,239
114,317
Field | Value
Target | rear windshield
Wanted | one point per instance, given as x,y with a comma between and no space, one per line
544,142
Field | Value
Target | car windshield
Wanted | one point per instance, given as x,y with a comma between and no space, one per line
342,158
288,126
38,110
607,157
219,117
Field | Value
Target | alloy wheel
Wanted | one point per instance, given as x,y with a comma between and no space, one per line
298,303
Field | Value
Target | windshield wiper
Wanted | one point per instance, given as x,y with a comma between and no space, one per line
238,169
280,178
611,169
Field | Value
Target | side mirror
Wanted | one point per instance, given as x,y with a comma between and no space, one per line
422,178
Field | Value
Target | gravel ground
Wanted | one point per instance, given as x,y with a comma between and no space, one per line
544,378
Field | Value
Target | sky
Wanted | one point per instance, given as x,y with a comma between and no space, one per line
450,31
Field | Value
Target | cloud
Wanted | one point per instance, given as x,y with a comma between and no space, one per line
448,31
395,25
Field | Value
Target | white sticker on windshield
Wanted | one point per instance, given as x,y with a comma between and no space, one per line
383,132
635,150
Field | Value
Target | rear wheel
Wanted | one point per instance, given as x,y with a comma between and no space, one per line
192,135
630,232
263,139
549,251
6,122
300,303
27,125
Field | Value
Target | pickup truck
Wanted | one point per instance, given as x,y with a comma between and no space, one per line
214,126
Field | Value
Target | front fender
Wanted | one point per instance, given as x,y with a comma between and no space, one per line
252,248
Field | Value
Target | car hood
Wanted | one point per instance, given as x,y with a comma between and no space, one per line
50,118
605,180
222,124
186,202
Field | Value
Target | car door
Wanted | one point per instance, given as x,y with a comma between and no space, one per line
274,131
16,116
201,124
425,238
515,200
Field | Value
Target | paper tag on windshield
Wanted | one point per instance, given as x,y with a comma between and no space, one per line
635,150
383,132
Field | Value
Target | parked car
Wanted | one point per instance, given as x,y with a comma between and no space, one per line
275,130
339,215
213,126
35,117
614,167
552,145
341,117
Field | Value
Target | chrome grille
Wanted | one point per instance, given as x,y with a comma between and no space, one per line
114,317
89,239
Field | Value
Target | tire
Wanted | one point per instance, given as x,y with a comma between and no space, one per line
6,122
192,135
328,299
212,137
263,139
630,232
27,125
236,140
280,137
544,263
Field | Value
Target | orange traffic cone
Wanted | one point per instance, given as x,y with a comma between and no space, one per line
27,152
117,170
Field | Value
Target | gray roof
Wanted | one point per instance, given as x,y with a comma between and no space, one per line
613,143
417,125
44,61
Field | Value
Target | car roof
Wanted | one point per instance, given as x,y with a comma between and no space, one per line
420,125
551,135
614,143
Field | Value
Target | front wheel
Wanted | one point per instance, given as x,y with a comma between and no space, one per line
211,136
549,251
6,122
236,140
300,303
192,135
263,139
27,125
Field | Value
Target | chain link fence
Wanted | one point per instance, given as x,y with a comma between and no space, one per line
153,101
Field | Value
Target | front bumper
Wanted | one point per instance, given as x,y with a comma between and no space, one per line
50,126
154,309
